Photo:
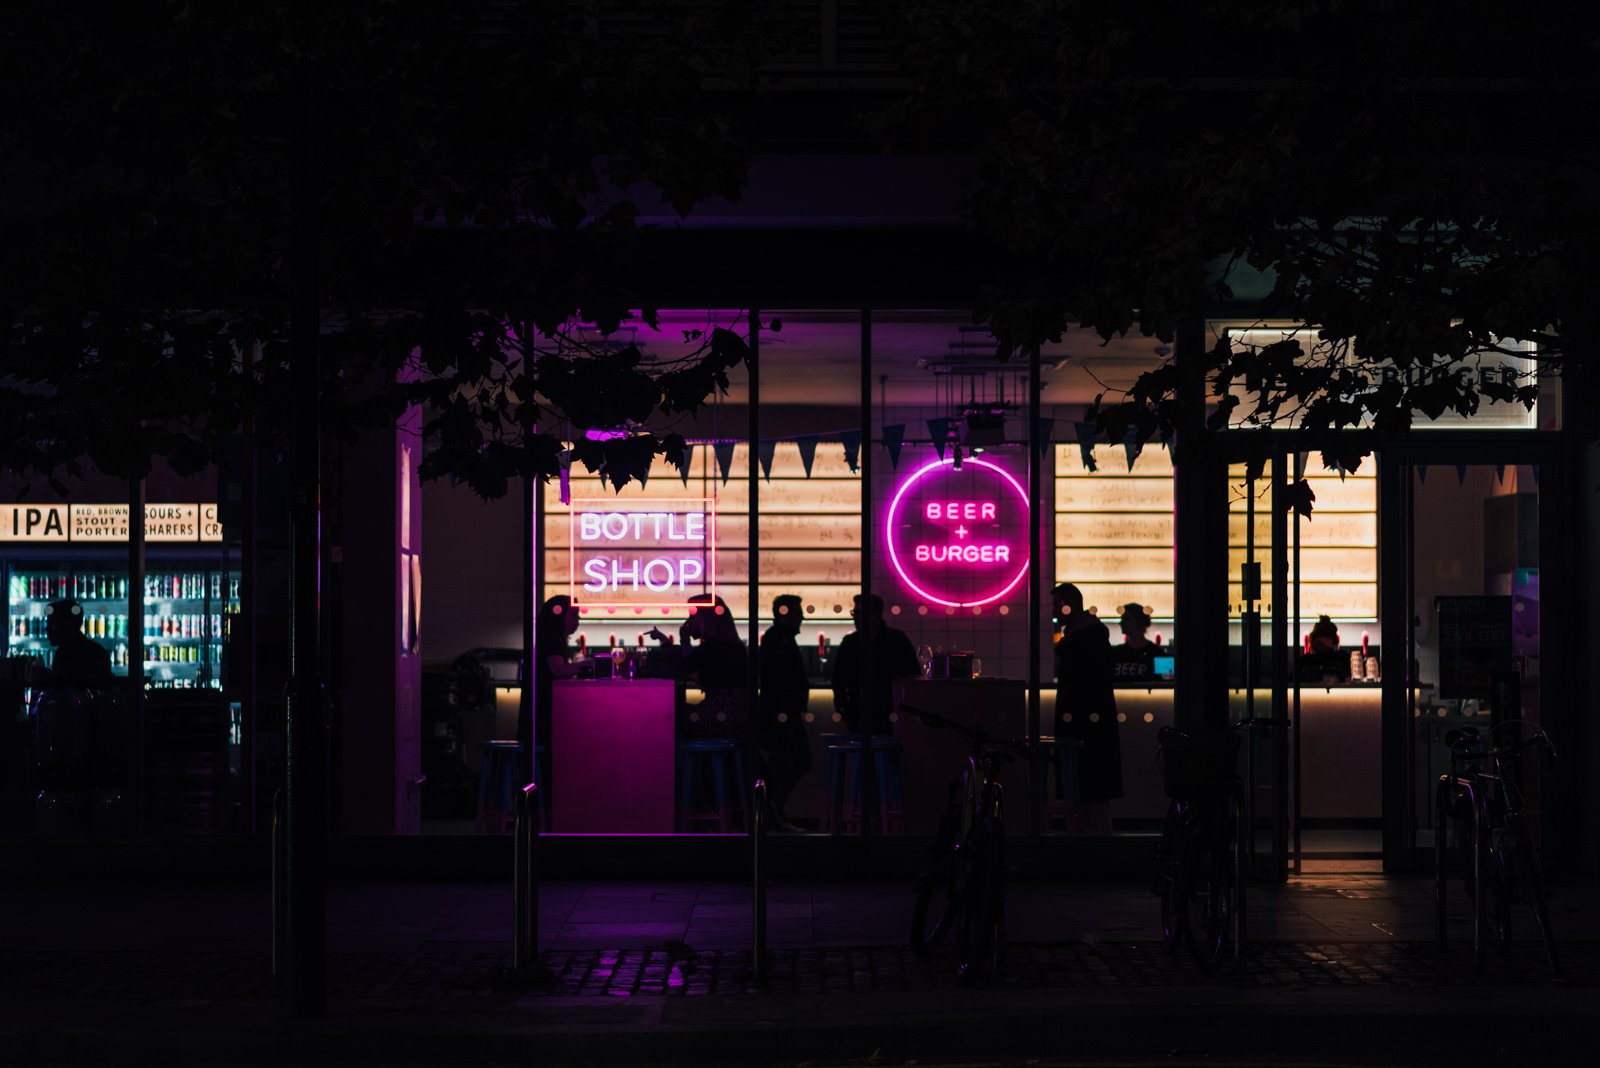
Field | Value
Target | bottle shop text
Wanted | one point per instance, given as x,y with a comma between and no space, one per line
642,556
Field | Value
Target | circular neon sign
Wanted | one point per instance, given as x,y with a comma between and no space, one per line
958,538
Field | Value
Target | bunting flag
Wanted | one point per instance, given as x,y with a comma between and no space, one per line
683,468
1461,474
764,452
1422,473
566,476
724,452
1046,425
851,440
644,476
894,436
1299,466
939,433
1086,434
1500,473
1132,446
808,452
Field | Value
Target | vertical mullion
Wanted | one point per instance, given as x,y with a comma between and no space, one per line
1036,780
864,636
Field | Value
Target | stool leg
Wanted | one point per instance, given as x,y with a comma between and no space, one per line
719,785
685,789
836,801
741,789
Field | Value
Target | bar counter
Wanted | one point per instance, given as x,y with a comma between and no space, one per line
615,756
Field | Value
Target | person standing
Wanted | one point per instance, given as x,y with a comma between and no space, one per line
1134,660
557,621
721,666
892,657
780,725
1086,708
79,662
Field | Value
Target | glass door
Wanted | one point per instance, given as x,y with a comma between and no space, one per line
1477,630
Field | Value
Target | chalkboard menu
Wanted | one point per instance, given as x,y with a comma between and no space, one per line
1474,644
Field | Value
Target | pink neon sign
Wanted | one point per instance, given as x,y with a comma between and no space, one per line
644,552
955,537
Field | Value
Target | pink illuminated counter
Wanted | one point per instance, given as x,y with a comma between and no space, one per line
613,749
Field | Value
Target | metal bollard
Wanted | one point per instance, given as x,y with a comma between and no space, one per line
280,883
525,882
758,856
1241,876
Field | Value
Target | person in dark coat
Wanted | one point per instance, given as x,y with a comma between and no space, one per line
893,657
79,661
720,666
1086,707
780,724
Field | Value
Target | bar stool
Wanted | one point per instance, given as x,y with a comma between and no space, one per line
498,784
843,764
713,762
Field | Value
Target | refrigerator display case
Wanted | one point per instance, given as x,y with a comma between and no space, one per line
190,602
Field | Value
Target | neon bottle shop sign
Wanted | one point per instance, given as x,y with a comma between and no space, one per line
642,553
958,538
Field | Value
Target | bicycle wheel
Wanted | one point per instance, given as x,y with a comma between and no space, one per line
1530,877
1168,852
1208,894
1499,885
936,909
979,924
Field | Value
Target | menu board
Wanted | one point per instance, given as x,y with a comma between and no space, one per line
79,523
1474,644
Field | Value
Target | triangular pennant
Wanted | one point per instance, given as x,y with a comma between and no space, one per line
724,452
894,436
1046,425
644,476
1086,434
1132,446
683,469
1422,473
1299,466
939,432
764,452
1500,473
808,452
851,440
566,476
1461,474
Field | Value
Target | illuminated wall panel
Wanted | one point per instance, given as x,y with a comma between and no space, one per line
1114,529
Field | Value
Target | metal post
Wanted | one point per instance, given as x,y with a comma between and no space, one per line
1480,893
869,771
758,884
1441,802
1241,872
1038,777
136,573
280,890
305,861
751,741
525,882
532,594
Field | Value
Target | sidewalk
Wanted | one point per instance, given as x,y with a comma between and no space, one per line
1341,965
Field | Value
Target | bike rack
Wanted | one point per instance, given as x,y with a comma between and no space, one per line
758,882
525,882
1448,786
280,883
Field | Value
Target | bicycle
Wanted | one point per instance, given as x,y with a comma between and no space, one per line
963,890
1484,788
1200,871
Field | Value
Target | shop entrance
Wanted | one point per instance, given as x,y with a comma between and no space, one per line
1478,592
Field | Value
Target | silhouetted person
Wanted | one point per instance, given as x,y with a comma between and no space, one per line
892,656
1086,707
785,690
1134,660
721,666
556,622
79,662
1326,662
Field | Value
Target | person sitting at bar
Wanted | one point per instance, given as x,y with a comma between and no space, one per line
79,662
1323,661
780,725
1134,660
721,667
557,621
1086,709
892,657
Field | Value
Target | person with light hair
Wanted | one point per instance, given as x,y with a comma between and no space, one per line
1086,709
